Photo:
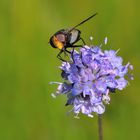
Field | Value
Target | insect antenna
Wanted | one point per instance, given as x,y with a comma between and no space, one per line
82,22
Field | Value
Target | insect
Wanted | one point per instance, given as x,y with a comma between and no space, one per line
66,38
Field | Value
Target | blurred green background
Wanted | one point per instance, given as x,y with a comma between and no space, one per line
28,64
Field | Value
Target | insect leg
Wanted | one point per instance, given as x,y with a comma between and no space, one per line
68,51
82,41
71,52
75,46
59,55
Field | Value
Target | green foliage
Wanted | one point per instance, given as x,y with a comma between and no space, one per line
28,64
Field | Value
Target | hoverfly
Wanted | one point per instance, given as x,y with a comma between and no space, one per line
66,38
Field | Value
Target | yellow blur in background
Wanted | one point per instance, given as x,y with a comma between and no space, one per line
28,63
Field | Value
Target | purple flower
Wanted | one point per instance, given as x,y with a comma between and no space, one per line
90,77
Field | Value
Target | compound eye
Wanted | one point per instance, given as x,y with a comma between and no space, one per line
61,37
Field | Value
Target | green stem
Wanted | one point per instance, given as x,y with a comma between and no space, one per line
100,130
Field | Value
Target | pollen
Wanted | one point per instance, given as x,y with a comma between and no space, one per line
57,43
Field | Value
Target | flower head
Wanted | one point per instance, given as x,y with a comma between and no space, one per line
89,78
